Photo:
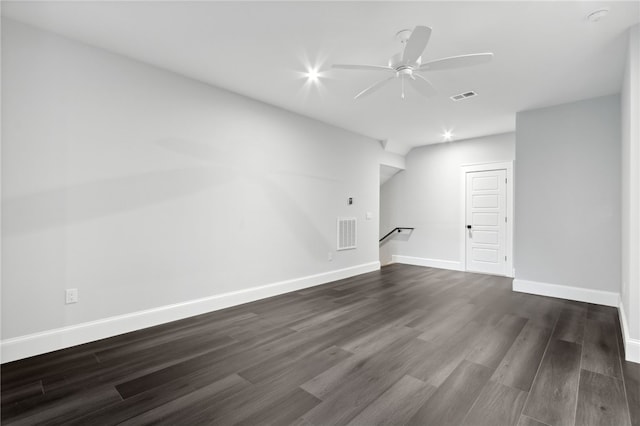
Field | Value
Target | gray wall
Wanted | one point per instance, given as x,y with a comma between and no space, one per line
427,196
143,188
567,194
630,97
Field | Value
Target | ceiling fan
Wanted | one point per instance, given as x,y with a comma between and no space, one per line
408,64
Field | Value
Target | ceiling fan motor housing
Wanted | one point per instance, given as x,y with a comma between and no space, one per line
395,62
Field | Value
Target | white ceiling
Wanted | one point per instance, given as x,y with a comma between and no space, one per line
546,53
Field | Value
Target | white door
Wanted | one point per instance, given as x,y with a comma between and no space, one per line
486,213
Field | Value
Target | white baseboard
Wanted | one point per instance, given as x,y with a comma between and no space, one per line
599,297
432,263
631,346
59,338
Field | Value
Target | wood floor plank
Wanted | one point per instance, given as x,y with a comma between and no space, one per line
182,335
519,366
322,317
166,398
244,405
491,350
129,368
376,338
342,406
63,410
444,355
539,309
553,395
283,411
450,322
294,369
237,355
394,314
349,389
397,405
606,314
570,325
253,328
29,390
182,409
363,364
166,351
601,401
631,374
50,369
497,404
258,406
528,421
433,317
451,402
600,353
492,312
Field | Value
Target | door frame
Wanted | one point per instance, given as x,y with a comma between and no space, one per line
485,167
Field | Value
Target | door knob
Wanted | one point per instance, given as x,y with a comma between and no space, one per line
468,226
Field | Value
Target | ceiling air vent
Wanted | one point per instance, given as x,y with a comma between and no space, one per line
464,95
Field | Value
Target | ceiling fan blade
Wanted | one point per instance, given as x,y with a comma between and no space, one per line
456,62
375,86
362,67
422,85
416,44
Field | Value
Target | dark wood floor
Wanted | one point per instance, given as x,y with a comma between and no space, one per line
405,345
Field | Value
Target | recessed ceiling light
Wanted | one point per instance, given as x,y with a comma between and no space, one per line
312,75
597,15
447,136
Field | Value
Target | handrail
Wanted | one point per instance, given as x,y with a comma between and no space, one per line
399,229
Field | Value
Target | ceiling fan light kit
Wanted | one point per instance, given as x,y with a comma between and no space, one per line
407,64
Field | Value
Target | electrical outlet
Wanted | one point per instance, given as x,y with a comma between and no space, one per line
330,256
71,296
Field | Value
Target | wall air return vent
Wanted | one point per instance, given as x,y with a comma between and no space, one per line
346,233
464,95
